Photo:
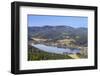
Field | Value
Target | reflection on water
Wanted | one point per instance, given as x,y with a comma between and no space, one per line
56,50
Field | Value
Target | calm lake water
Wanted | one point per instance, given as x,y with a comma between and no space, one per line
52,49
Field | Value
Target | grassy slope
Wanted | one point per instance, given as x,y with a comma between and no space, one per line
75,56
36,54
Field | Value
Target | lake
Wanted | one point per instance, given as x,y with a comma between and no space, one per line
52,49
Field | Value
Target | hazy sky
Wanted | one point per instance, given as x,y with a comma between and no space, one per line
41,20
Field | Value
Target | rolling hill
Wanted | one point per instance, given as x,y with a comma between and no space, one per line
59,32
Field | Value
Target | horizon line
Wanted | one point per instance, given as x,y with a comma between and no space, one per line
58,26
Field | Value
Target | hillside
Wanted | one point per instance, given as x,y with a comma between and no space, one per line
59,32
36,54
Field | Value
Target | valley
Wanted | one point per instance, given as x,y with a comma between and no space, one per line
58,40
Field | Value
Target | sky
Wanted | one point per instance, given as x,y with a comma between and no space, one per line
42,20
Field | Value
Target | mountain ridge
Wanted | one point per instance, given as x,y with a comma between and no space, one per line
59,32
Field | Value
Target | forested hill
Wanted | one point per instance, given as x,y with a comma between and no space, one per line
59,32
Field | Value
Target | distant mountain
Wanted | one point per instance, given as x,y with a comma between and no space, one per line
59,32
